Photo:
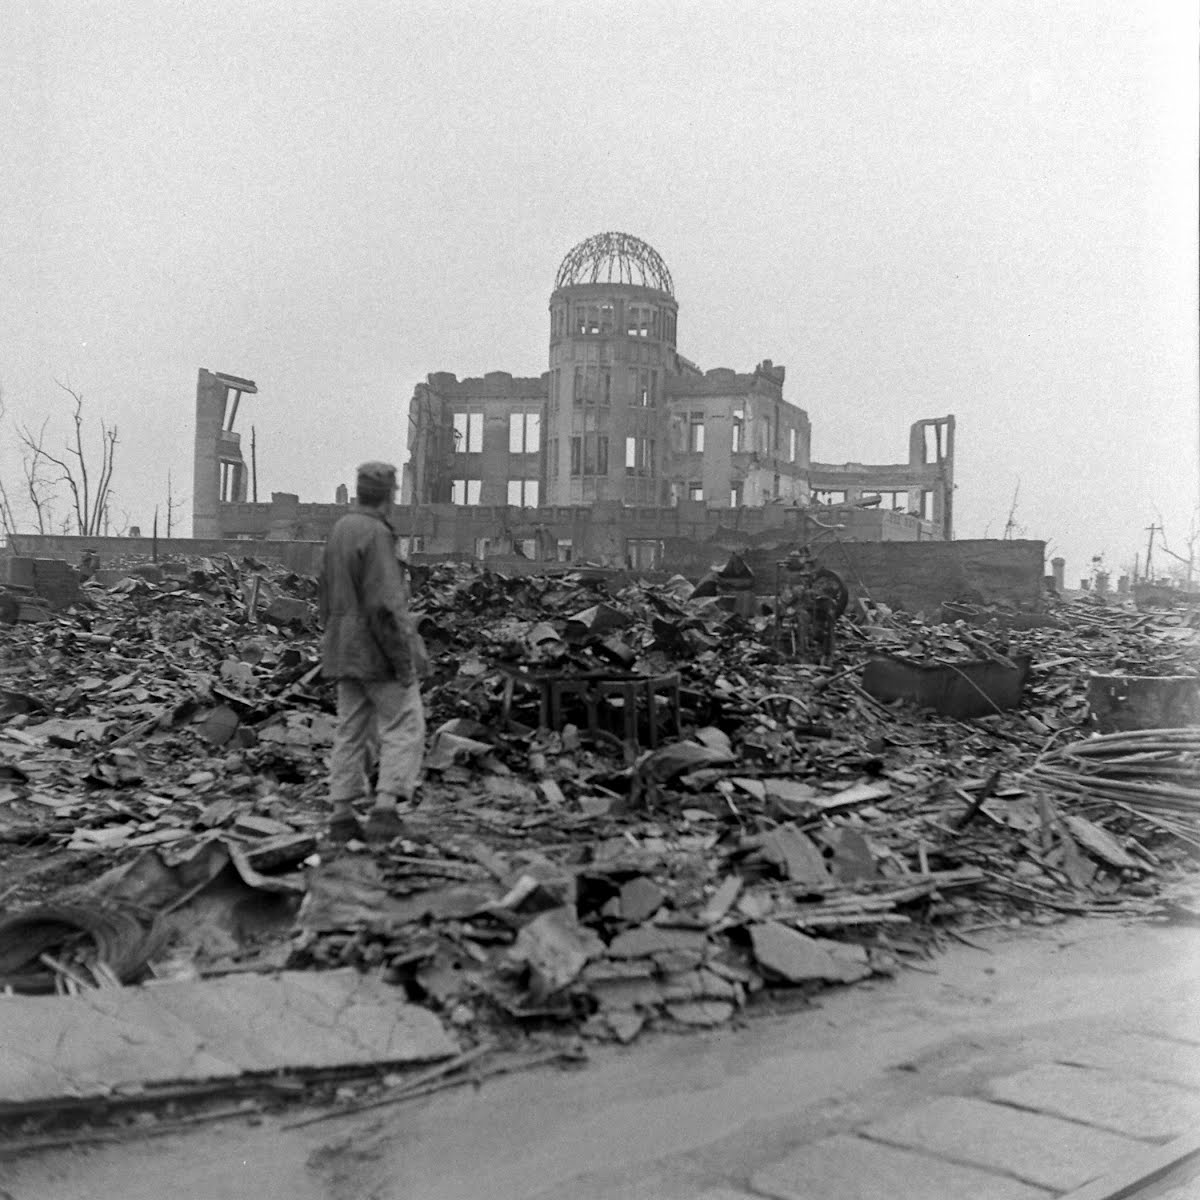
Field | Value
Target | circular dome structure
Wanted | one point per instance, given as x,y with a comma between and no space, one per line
614,258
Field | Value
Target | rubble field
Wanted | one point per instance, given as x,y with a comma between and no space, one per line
641,810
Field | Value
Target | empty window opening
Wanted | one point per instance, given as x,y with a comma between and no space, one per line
696,432
791,445
736,494
465,491
639,456
589,454
564,549
524,432
468,432
739,429
523,493
643,554
695,491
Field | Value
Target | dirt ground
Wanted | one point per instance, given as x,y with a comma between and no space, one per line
676,1115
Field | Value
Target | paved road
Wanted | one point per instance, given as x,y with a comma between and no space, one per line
1017,1073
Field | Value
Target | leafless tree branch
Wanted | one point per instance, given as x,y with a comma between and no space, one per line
89,508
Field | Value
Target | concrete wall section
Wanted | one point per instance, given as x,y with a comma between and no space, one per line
219,471
51,579
461,434
302,557
755,443
919,576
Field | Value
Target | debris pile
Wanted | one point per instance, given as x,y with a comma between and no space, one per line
638,808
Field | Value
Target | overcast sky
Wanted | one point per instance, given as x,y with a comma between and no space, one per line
920,208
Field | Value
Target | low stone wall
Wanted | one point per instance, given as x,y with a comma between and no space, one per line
916,576
302,557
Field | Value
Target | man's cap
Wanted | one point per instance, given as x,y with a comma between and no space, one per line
380,473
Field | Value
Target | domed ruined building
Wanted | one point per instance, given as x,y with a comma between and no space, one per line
621,443
620,415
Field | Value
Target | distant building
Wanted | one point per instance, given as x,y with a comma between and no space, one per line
621,415
623,451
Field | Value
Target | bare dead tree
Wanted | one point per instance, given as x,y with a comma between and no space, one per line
34,461
1188,561
89,489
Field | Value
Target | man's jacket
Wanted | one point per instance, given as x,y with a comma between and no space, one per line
367,630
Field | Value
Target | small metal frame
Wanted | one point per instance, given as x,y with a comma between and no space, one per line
597,689
614,258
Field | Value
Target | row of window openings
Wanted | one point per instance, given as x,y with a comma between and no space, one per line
606,352
589,456
902,502
593,386
522,493
591,319
524,432
695,491
525,428
738,440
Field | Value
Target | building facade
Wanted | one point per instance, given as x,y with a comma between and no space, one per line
621,416
620,435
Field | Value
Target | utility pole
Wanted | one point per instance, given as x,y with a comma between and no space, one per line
1151,529
253,465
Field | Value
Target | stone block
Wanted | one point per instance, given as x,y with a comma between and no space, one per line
1146,1057
284,610
1042,1150
60,1048
1135,1107
16,571
853,1168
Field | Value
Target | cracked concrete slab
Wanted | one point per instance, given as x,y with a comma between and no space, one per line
1155,1058
851,1168
1138,1108
75,1047
1044,1151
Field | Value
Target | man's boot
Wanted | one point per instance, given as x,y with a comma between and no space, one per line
383,822
344,825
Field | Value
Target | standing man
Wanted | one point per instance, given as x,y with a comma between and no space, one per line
369,648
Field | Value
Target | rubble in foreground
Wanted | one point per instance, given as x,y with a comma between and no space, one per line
162,798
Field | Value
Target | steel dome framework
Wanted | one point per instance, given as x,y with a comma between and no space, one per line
614,258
